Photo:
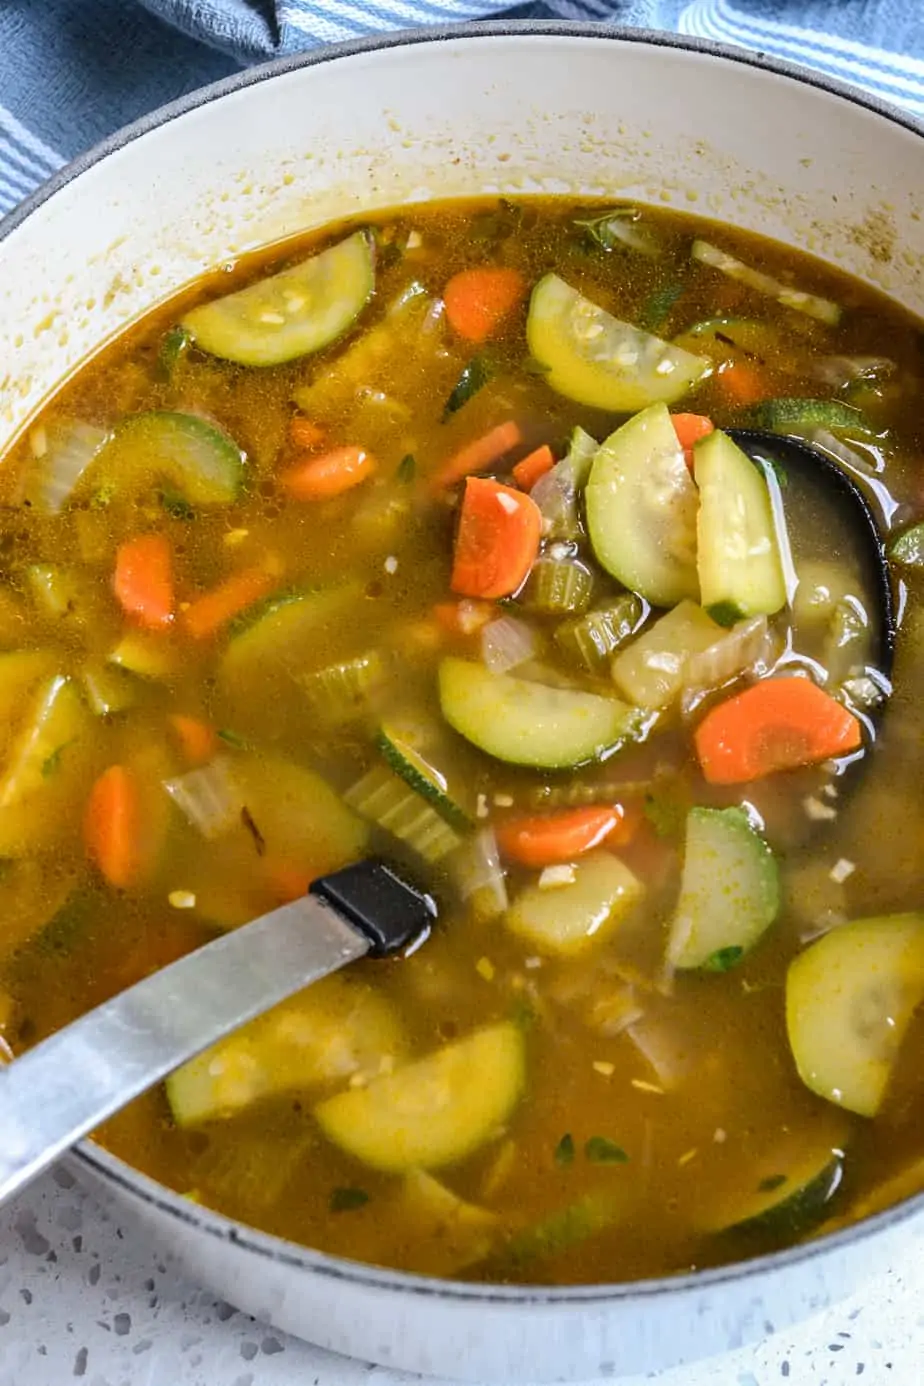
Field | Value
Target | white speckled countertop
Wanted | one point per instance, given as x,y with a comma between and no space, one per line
81,1302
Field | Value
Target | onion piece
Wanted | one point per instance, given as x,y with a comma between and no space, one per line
821,308
840,371
670,1056
749,647
208,798
507,643
479,875
60,459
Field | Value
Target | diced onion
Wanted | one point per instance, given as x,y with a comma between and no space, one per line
747,648
208,797
840,371
479,875
506,643
821,308
60,461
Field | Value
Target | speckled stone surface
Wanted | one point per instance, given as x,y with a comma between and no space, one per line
81,1302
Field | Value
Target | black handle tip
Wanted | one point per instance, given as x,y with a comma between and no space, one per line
386,908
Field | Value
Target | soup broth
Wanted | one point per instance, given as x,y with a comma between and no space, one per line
435,547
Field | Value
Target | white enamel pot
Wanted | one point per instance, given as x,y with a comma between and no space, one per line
489,108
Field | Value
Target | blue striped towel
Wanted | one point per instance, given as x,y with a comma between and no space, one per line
72,71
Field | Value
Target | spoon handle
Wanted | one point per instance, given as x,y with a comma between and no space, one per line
69,1084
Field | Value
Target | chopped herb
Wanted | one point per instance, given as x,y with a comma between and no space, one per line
498,225
475,374
773,1181
177,505
345,1200
564,1151
102,496
232,738
724,959
173,348
51,763
258,838
522,1013
407,468
600,1150
657,306
666,818
600,230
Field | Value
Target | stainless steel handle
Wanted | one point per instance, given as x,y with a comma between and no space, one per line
68,1085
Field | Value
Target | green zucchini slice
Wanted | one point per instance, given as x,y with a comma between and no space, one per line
594,359
292,313
195,458
528,723
434,1112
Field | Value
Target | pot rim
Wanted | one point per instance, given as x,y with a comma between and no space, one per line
133,1182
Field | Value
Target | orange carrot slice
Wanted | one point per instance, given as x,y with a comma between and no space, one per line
197,740
206,615
478,455
560,837
113,828
321,478
498,539
477,300
143,580
533,466
779,724
743,383
304,433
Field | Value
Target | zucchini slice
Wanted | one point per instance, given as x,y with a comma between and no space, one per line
58,717
849,999
565,919
594,359
741,570
292,313
641,510
277,636
337,1028
528,723
434,1112
431,784
793,415
729,891
190,455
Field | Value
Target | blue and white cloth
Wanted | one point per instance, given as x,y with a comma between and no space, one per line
72,71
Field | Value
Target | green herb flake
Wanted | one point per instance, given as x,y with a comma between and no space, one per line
599,230
177,505
523,1014
407,469
51,763
475,375
564,1151
173,348
724,959
347,1200
102,497
657,307
600,1150
773,1181
232,738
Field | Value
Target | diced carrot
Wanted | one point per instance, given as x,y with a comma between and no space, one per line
321,478
743,383
285,879
497,541
533,466
462,618
560,837
198,741
304,433
689,429
207,614
778,724
113,828
143,580
478,300
478,455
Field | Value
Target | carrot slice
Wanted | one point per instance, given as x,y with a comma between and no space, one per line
478,455
478,300
198,741
207,614
285,880
743,383
462,618
321,478
533,466
498,539
689,429
143,580
560,837
113,828
304,433
778,724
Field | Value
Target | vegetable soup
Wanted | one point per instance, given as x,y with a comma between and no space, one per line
432,537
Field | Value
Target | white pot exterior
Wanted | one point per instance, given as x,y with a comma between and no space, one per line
490,109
